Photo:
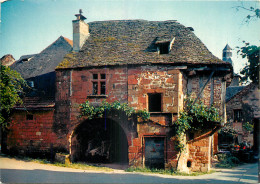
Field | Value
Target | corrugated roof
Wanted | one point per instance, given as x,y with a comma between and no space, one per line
134,42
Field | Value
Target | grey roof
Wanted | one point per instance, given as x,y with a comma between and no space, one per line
227,47
34,65
232,91
135,42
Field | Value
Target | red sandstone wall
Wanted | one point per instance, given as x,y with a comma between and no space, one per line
32,135
199,154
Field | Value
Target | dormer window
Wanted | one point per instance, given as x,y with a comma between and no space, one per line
164,47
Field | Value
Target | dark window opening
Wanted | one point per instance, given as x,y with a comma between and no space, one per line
238,115
29,117
164,48
95,88
224,54
103,88
103,76
189,164
155,102
95,76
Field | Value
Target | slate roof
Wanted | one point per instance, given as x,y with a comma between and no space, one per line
34,65
134,42
227,47
232,91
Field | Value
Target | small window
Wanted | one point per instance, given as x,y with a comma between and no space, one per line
188,163
29,117
95,76
155,102
103,88
95,88
164,48
99,84
238,115
103,76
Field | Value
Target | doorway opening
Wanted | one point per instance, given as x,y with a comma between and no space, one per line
99,141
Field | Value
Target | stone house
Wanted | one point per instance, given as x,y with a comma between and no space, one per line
243,106
150,65
34,118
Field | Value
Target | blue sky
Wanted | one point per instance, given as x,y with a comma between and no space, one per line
29,26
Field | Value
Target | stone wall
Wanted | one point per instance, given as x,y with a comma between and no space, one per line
247,100
34,136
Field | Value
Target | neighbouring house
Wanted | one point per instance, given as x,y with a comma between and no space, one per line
34,118
242,108
150,65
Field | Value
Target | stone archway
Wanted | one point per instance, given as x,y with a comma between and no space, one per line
101,140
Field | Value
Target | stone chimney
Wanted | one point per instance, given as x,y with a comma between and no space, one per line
80,31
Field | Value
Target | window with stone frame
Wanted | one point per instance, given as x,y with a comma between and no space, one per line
155,102
238,115
98,84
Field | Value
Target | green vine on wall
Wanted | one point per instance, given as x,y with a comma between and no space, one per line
194,117
91,112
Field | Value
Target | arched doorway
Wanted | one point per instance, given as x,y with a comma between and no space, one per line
100,140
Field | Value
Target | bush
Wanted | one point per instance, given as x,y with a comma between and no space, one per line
227,161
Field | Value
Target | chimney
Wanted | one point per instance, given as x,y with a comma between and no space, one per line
80,31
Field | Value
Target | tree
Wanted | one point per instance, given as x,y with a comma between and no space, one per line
251,70
253,12
11,85
251,52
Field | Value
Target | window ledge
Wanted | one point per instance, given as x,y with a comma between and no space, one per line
97,96
162,113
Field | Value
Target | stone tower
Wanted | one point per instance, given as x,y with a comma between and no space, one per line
227,54
80,31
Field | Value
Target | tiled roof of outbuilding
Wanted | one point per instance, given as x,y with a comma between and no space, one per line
134,42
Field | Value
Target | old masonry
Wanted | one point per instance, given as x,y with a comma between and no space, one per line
150,65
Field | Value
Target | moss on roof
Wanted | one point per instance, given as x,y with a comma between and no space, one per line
134,42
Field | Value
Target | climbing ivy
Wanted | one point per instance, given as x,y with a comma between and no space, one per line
91,112
195,116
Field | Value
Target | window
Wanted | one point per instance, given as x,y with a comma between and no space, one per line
99,84
163,47
29,117
238,115
155,102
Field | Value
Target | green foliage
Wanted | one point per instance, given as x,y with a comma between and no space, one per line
251,70
228,130
11,84
253,12
248,127
91,112
195,116
227,161
163,171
